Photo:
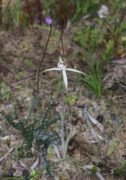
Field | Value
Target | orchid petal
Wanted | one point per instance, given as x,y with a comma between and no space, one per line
48,20
52,69
74,70
65,78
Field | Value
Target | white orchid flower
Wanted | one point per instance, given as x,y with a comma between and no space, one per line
62,67
103,12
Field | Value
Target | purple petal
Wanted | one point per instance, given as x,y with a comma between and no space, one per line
48,20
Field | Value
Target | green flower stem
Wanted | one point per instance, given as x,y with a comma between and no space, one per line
62,44
42,60
61,113
69,137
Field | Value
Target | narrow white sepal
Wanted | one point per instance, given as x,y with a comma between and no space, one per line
65,78
74,70
52,69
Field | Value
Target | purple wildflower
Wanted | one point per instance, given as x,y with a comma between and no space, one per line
48,20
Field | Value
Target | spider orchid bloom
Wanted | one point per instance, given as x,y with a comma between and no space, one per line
103,12
61,67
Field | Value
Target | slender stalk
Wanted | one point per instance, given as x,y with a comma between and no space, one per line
0,12
62,111
61,38
42,60
62,130
70,136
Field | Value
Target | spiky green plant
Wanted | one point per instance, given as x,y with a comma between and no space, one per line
34,128
94,80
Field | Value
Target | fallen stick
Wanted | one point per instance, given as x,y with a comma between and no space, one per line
5,156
